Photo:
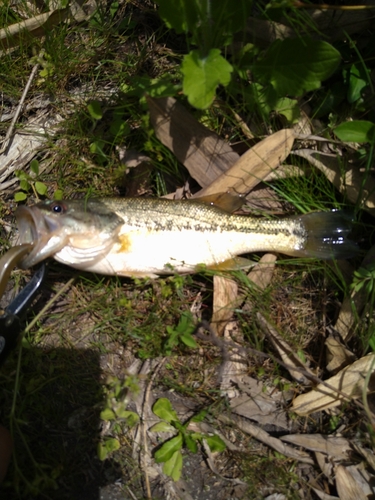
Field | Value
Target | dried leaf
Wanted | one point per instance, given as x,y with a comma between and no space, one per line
224,301
264,437
347,486
349,382
337,448
260,403
338,355
254,165
261,274
204,153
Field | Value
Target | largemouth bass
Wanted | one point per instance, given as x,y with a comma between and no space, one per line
150,237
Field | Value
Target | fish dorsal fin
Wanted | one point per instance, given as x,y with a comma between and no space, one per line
229,202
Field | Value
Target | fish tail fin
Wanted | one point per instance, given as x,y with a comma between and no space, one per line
328,235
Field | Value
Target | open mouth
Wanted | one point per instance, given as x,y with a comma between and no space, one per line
42,231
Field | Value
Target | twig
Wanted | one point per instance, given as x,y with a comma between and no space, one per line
224,345
20,106
143,426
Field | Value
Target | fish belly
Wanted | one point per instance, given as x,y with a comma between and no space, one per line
147,253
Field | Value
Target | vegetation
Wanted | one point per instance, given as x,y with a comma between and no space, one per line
121,386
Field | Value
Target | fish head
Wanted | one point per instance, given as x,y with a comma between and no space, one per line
76,232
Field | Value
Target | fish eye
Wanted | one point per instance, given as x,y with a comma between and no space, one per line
58,208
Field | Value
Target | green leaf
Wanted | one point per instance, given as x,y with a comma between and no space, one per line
102,452
358,80
199,417
131,417
356,131
215,443
112,444
119,127
289,108
164,410
162,427
203,75
58,194
24,185
191,443
188,340
173,466
182,15
107,447
95,110
41,188
107,414
294,67
34,166
20,196
168,448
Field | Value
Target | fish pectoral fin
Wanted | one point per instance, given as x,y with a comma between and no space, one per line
234,264
229,202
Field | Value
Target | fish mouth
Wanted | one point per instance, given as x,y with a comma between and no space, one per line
43,232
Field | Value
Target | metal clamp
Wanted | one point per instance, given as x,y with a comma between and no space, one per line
11,317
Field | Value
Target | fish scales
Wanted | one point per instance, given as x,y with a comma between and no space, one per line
149,237
186,215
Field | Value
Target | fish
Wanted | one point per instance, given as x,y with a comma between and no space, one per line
149,237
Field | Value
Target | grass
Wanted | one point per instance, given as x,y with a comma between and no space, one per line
102,325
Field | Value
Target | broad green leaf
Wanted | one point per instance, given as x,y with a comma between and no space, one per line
107,447
102,452
163,409
20,196
289,108
107,414
24,184
168,448
34,166
173,466
132,418
188,340
112,444
191,444
162,427
41,188
296,66
199,417
181,15
358,79
119,127
58,194
95,110
356,131
203,75
215,443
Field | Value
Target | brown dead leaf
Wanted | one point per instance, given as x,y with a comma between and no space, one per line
254,165
224,301
350,486
258,402
338,356
337,448
344,386
264,437
262,272
203,153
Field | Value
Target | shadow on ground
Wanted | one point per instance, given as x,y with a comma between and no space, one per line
56,427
